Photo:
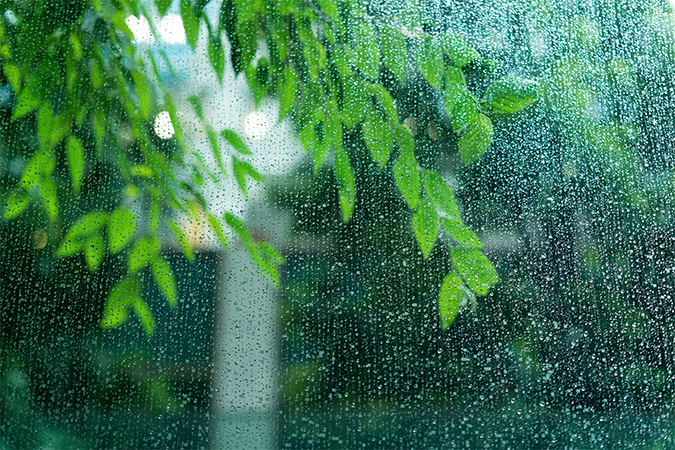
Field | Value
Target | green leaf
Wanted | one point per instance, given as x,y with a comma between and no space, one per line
267,258
329,8
75,157
17,201
44,125
215,149
163,275
430,62
242,171
461,233
378,138
218,229
71,245
441,194
26,102
355,103
61,126
386,101
94,250
235,141
254,85
476,139
394,51
125,292
332,125
142,252
314,127
88,224
121,229
50,199
238,227
478,272
450,299
314,55
13,75
163,6
457,50
143,93
366,52
190,23
144,315
464,111
244,44
197,106
287,89
426,226
182,241
141,171
510,95
78,233
346,183
407,180
216,54
41,163
405,141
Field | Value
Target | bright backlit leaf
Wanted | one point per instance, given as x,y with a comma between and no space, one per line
430,62
346,183
164,278
394,51
75,155
236,142
457,50
94,250
121,229
475,139
475,268
378,138
510,95
450,299
16,203
426,226
441,194
143,252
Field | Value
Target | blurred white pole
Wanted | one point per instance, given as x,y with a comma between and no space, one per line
246,360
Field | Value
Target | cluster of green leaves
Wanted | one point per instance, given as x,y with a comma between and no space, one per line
83,101
337,71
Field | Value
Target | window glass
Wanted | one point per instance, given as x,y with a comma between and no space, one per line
336,224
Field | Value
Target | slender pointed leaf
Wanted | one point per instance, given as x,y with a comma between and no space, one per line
121,229
378,138
426,226
143,252
75,157
476,139
510,95
164,278
17,201
478,272
235,141
450,299
144,315
394,51
94,250
346,183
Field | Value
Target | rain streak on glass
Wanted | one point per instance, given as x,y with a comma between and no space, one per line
337,224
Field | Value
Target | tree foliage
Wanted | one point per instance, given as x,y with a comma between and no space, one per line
83,98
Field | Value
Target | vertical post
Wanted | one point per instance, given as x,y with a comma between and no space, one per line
244,403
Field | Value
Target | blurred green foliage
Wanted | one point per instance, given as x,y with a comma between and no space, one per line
572,202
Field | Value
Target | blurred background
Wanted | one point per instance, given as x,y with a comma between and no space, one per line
573,348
